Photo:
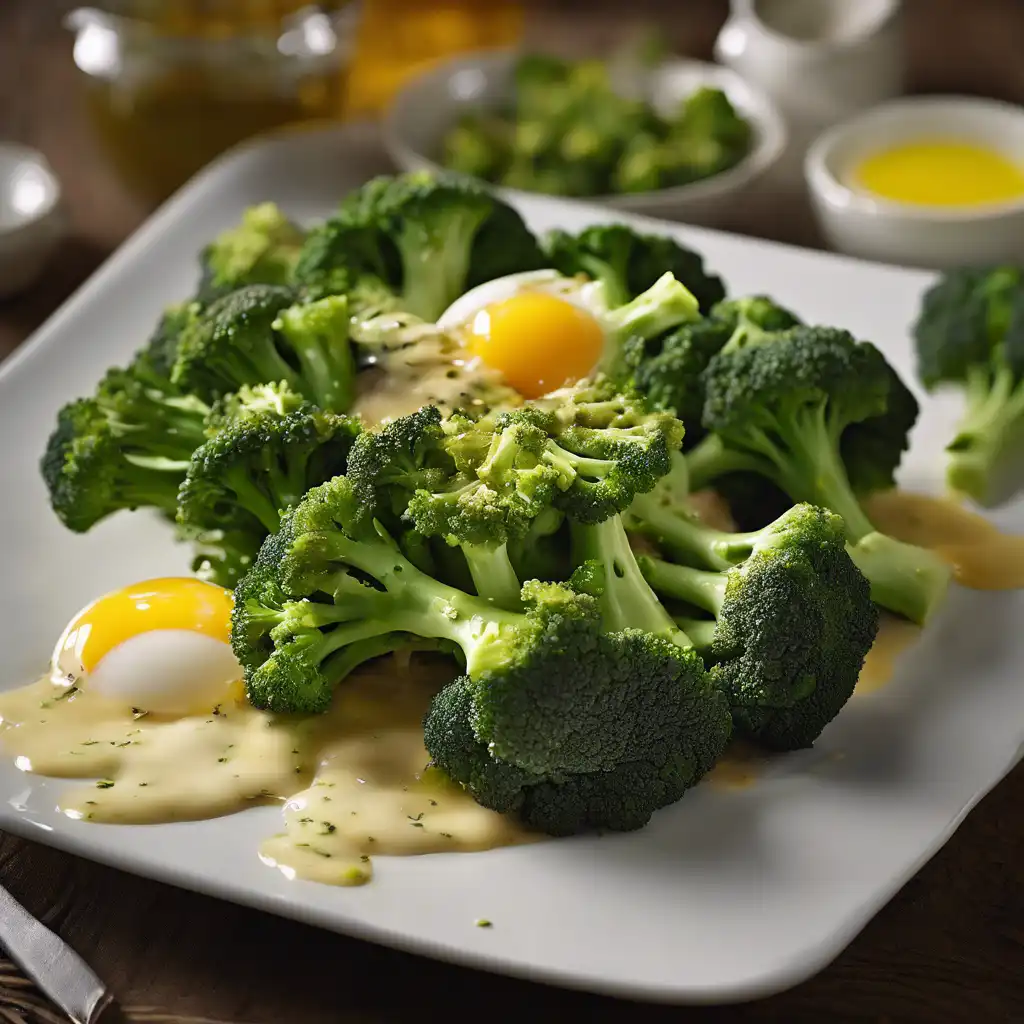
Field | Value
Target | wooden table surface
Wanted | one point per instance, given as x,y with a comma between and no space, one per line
950,945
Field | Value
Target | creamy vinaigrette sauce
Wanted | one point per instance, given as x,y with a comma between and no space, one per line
354,781
981,555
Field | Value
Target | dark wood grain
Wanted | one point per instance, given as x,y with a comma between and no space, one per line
949,947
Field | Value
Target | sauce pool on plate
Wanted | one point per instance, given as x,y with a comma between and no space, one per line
940,172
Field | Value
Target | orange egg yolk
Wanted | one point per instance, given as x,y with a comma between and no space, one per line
170,603
538,342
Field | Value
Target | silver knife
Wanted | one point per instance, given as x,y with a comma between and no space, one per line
60,973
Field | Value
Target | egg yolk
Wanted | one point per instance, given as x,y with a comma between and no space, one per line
171,603
538,342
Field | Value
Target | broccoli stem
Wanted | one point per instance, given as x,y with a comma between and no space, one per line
251,496
665,305
700,631
712,458
908,580
627,600
990,431
493,576
612,278
436,260
412,602
318,332
698,587
678,531
341,665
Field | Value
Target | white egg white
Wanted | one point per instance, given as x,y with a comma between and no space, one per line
588,295
165,671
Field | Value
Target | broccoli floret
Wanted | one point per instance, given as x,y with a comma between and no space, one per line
125,447
970,335
261,249
621,799
630,327
406,474
780,404
421,239
628,263
670,372
794,618
270,447
258,334
597,446
162,347
553,692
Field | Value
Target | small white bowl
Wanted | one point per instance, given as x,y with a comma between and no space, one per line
31,217
428,106
935,237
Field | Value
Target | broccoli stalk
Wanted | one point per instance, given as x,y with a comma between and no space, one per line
990,430
317,333
608,569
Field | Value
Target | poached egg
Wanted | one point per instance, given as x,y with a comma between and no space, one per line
161,646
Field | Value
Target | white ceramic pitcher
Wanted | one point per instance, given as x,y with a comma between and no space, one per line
819,60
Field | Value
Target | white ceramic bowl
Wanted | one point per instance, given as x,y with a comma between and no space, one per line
429,105
861,224
31,218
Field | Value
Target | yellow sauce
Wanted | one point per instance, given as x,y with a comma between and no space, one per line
893,638
982,556
941,172
353,780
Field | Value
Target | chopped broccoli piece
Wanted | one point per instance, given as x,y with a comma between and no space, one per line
794,618
262,249
126,447
629,263
258,334
620,799
416,243
780,404
267,452
670,374
970,335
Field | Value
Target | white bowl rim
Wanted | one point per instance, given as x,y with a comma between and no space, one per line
53,196
772,135
832,191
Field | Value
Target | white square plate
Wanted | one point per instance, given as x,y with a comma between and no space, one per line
728,894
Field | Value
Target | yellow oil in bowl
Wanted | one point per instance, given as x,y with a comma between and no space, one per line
941,172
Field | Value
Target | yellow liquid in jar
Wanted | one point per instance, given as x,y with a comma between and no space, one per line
941,173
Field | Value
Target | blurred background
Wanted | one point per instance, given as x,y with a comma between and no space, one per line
128,98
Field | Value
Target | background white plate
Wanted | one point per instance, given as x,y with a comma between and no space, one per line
727,895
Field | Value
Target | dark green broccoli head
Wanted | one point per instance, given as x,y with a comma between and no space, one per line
787,398
629,263
621,799
671,378
261,249
795,626
424,239
671,372
794,620
161,351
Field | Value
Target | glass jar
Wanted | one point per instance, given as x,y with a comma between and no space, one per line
170,84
